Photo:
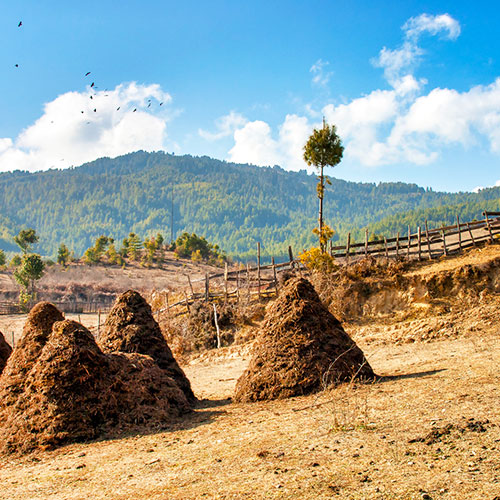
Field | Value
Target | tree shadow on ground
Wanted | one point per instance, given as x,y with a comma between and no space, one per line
404,376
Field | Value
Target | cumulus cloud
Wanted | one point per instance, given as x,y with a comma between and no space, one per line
81,126
254,143
402,60
225,125
321,75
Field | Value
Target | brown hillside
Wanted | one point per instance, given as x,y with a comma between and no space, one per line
301,348
131,328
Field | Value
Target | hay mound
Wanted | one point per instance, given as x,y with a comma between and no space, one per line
75,392
5,352
131,328
301,348
36,331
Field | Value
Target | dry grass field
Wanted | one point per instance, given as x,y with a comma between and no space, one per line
428,428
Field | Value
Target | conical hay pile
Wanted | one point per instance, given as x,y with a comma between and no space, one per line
60,401
301,348
130,327
36,331
75,392
5,352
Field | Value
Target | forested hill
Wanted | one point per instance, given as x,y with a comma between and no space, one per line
231,205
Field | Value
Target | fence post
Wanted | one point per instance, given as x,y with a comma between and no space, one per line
216,326
397,245
385,246
207,287
428,240
186,300
290,255
225,282
275,277
13,341
348,247
98,323
471,235
488,225
331,248
190,286
459,234
238,284
258,268
444,242
366,242
419,243
409,241
248,282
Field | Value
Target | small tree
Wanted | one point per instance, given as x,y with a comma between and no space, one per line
2,258
29,271
63,255
134,245
323,149
25,239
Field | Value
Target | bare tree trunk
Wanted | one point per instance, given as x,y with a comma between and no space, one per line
321,195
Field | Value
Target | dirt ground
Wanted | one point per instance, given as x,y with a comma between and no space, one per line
351,442
428,428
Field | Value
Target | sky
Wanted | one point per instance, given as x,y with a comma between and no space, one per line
413,87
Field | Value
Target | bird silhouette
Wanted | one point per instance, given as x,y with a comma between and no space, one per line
92,84
161,104
95,110
118,108
134,110
17,65
88,73
20,24
91,97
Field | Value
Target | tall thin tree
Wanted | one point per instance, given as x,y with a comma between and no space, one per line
323,149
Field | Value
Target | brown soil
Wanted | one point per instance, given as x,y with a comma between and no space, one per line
74,392
5,352
301,348
131,328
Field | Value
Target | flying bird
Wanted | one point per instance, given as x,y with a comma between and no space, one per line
118,108
20,24
92,84
161,103
88,73
149,105
95,110
91,97
134,110
17,65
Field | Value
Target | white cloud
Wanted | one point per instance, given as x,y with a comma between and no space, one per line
415,26
225,125
321,76
254,143
65,136
497,183
401,61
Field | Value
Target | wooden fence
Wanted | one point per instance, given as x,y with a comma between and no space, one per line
425,242
66,307
248,282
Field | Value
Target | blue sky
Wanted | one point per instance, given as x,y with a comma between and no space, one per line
413,87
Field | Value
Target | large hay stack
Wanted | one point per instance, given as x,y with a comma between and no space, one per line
36,331
131,328
72,391
301,348
5,352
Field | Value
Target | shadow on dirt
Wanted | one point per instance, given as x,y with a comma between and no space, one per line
404,376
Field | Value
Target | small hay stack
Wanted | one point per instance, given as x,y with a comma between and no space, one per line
75,392
301,348
131,328
36,331
5,352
